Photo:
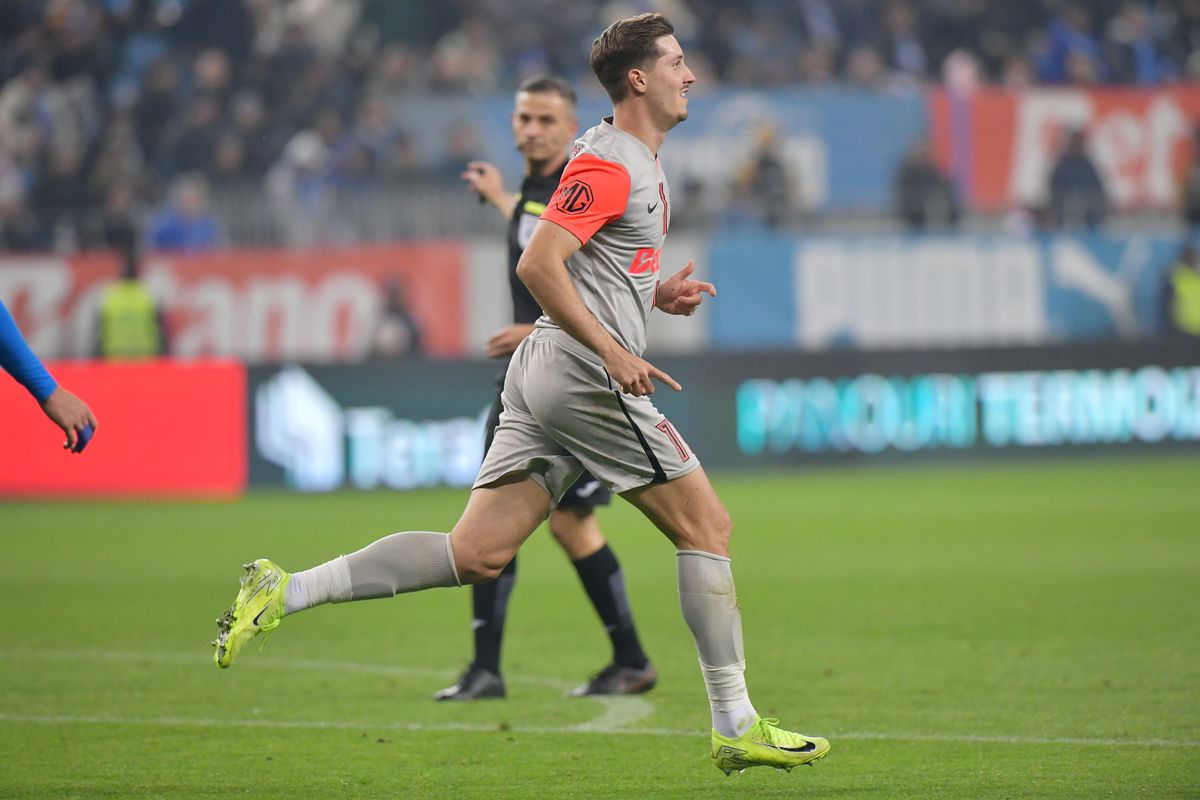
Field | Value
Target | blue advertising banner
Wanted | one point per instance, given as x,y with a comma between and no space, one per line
889,292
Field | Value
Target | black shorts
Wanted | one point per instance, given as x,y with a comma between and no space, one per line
583,496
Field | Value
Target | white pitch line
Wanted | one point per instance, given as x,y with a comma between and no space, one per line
417,727
620,712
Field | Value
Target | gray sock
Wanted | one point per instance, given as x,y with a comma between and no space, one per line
402,562
710,608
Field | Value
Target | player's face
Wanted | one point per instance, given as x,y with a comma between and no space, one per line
668,83
543,125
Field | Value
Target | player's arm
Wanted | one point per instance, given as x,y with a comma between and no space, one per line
485,180
63,408
504,341
543,268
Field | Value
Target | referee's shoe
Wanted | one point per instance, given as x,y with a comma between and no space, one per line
618,679
476,683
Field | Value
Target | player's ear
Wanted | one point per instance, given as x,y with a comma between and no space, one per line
637,80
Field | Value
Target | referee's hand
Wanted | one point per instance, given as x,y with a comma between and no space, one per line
484,179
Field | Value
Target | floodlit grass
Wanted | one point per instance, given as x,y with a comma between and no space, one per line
1016,631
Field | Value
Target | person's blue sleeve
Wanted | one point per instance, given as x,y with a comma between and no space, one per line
19,361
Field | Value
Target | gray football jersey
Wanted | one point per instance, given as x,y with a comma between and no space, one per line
614,198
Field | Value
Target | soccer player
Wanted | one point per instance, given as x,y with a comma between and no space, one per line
544,123
577,395
63,408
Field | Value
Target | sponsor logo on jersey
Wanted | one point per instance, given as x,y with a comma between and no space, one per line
645,260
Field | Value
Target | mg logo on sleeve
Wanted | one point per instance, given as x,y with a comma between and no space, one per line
575,198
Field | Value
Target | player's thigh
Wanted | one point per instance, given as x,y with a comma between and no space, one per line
519,445
688,511
496,522
624,441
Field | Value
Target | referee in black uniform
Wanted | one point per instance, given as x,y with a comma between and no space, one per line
544,123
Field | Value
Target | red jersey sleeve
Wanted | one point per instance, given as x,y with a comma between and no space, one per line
592,192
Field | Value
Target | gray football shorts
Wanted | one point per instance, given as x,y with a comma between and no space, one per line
563,414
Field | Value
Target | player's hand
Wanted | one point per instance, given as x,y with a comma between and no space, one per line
679,294
635,375
69,413
504,341
484,180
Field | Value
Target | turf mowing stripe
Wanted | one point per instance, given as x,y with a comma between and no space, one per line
317,724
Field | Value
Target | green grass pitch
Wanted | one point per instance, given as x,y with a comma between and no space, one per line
995,631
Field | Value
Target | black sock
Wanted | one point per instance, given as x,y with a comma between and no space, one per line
489,604
605,585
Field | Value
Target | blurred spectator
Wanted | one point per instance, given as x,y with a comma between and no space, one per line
130,322
1190,186
60,198
224,26
693,209
186,223
229,160
119,159
299,191
1181,296
36,114
1077,196
190,147
763,185
905,52
212,76
18,225
262,138
924,196
156,106
1071,51
1132,49
403,159
461,143
466,59
865,69
116,226
397,334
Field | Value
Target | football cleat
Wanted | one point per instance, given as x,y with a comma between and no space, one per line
258,608
618,679
476,683
765,745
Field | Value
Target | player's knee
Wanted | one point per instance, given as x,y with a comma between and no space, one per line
478,570
480,567
710,536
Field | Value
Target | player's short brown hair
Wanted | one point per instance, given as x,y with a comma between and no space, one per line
550,84
630,43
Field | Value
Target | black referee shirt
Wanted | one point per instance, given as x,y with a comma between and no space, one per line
536,191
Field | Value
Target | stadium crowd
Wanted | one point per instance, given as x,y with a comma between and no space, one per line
118,118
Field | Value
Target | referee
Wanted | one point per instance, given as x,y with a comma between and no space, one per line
544,123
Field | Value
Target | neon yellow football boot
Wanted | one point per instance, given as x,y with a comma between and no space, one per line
257,608
765,745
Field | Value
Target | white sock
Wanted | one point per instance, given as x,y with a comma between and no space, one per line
709,603
326,583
